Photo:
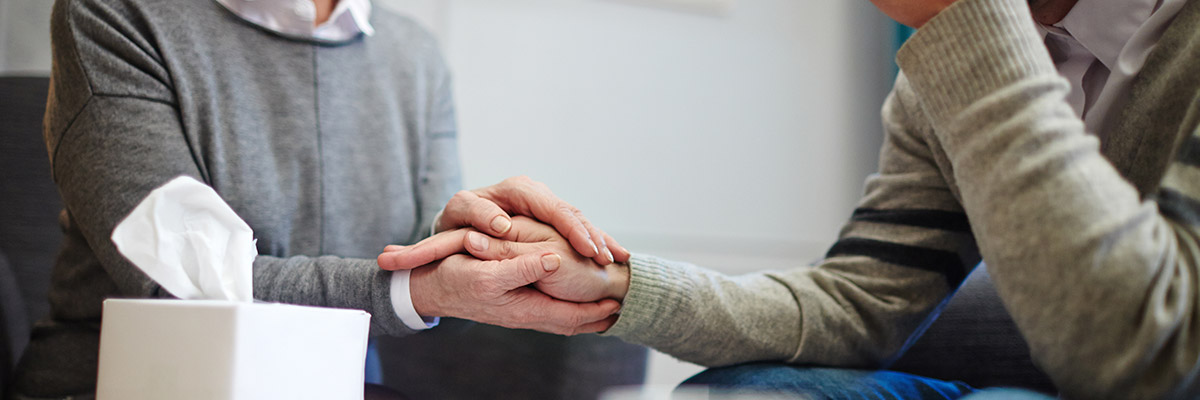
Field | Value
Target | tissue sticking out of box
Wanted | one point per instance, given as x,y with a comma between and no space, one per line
191,242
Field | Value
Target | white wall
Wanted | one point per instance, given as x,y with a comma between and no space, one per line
431,13
25,37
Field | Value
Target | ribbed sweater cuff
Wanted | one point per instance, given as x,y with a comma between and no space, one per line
656,287
384,319
969,50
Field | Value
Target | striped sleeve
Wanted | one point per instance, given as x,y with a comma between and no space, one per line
1179,195
950,263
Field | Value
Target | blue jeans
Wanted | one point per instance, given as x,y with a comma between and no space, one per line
827,383
1006,394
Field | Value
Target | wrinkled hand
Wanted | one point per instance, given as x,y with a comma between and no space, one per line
488,210
495,292
914,13
580,279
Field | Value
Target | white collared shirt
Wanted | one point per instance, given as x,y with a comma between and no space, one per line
296,18
1100,46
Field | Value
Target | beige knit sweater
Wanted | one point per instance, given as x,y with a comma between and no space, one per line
1095,251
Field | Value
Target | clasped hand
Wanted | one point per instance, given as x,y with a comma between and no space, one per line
522,274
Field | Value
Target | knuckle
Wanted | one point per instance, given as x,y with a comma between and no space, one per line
481,207
506,249
517,180
565,209
529,273
460,196
574,322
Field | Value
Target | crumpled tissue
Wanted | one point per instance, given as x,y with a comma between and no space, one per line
186,238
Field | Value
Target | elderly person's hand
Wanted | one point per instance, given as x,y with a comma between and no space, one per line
496,292
579,279
488,210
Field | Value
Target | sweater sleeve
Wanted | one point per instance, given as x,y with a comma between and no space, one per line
1101,281
904,249
114,134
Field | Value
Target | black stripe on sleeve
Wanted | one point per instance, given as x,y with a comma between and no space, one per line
933,219
1178,206
1189,151
947,263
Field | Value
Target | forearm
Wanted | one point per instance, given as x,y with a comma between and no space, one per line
1081,261
330,281
833,314
707,318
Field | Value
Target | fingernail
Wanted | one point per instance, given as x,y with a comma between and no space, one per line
550,262
594,249
501,224
608,254
617,311
477,240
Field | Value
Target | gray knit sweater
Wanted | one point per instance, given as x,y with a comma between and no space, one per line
329,151
1095,251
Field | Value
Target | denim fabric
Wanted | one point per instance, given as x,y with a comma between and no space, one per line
374,368
1007,394
827,383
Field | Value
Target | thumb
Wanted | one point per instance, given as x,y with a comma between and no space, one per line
517,272
431,249
468,209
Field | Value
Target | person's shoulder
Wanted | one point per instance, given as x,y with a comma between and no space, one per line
128,11
122,6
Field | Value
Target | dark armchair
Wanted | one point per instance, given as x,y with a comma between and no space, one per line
29,207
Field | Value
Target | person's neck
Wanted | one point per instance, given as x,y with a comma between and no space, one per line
324,10
1050,12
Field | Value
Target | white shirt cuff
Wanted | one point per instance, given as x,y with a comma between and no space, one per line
402,303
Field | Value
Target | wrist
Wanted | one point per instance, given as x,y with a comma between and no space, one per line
618,284
422,288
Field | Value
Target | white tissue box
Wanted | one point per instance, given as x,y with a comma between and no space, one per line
209,349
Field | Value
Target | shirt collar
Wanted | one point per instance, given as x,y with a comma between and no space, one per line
295,18
1104,27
